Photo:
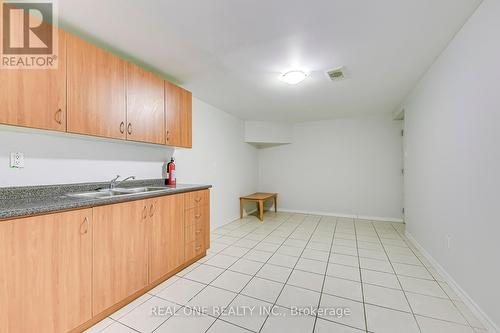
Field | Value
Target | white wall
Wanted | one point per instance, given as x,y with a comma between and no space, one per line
344,167
58,158
268,132
452,181
219,157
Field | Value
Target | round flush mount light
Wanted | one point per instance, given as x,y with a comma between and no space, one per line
293,77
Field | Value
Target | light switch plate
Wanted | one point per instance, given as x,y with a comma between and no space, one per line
16,160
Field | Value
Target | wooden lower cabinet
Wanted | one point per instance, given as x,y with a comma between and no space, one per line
167,235
120,252
46,272
66,271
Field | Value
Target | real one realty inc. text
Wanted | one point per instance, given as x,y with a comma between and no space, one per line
242,311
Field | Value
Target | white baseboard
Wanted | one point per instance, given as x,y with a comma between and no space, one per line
372,218
476,310
362,217
245,213
233,219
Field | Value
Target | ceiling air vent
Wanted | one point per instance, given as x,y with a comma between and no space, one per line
336,74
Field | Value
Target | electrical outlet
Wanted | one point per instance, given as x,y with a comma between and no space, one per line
17,160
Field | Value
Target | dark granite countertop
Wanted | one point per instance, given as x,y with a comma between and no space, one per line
34,200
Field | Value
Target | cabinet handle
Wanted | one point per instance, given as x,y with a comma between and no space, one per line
122,127
85,224
168,135
58,116
197,248
145,213
152,209
198,231
197,199
129,128
197,216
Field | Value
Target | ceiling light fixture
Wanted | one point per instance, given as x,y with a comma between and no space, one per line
293,77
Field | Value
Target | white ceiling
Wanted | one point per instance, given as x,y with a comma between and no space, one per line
230,52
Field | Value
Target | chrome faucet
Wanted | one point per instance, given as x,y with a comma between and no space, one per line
114,183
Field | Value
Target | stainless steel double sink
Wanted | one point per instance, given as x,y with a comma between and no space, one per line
117,192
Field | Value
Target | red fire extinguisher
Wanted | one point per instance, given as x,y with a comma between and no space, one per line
171,176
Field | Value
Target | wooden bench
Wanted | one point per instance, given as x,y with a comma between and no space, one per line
259,198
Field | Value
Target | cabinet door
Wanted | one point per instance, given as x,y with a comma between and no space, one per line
178,116
35,97
45,272
120,252
145,106
96,90
167,235
186,118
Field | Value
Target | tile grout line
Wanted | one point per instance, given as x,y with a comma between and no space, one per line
427,269
263,263
336,277
255,275
224,270
119,322
304,288
379,241
399,281
206,285
284,284
278,222
325,275
360,276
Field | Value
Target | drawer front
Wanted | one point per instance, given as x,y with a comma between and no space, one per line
197,199
197,215
194,249
194,232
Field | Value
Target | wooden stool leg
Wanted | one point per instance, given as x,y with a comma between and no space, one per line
276,204
241,208
261,210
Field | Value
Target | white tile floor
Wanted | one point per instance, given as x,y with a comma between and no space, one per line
291,266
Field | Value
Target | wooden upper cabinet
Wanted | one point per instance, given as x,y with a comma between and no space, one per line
120,252
167,235
96,93
145,106
178,103
96,90
35,97
46,272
